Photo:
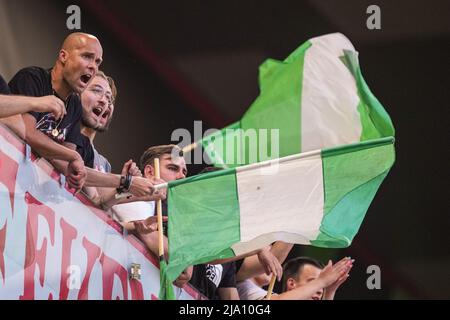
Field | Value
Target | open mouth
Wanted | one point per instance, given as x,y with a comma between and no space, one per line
105,114
85,78
97,111
100,113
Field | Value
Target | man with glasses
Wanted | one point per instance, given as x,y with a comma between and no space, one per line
98,109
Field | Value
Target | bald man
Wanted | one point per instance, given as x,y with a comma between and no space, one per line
77,63
60,141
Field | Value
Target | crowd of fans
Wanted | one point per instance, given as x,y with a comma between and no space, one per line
58,112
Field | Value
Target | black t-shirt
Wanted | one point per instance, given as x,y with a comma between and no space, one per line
37,82
4,89
86,151
207,278
239,264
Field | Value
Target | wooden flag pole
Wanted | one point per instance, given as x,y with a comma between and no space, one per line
159,214
190,147
271,285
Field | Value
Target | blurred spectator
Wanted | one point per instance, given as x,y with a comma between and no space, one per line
303,279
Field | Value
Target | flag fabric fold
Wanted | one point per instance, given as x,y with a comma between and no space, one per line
316,198
311,183
166,288
316,98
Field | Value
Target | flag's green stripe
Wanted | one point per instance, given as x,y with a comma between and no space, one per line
205,228
351,176
375,120
166,288
328,152
344,172
279,104
342,223
215,145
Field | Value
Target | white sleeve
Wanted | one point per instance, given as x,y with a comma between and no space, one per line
248,290
131,211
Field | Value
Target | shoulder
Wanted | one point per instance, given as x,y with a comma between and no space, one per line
36,72
31,81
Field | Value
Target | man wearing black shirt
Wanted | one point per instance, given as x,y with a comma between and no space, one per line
57,140
77,62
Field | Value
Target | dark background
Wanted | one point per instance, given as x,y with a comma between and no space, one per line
179,61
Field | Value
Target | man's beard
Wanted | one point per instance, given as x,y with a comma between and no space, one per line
88,124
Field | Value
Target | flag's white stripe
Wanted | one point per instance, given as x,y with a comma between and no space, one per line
329,115
273,203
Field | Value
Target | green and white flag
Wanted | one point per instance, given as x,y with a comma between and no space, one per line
316,98
335,147
315,198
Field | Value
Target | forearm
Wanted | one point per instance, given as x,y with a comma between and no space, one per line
99,179
281,250
301,293
329,294
60,165
151,240
44,146
16,124
12,105
49,149
253,266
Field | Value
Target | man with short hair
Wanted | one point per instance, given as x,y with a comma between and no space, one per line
77,63
138,217
172,166
303,279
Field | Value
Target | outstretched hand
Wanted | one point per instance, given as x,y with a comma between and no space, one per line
331,289
148,225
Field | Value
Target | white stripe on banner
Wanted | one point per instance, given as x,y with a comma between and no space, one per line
266,205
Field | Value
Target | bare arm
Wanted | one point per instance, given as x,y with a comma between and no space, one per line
301,293
12,105
151,241
329,275
252,266
139,186
44,146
